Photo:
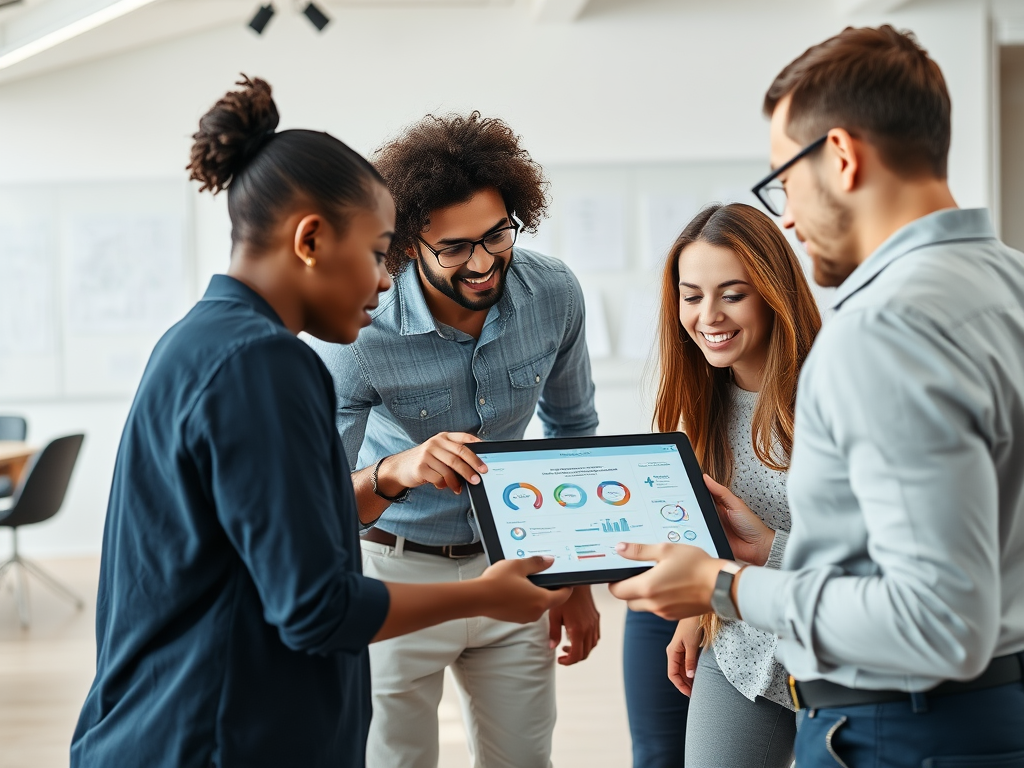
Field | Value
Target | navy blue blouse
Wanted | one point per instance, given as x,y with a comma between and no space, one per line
233,618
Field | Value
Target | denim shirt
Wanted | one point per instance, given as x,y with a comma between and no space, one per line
408,377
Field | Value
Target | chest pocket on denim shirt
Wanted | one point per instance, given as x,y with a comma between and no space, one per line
528,379
424,414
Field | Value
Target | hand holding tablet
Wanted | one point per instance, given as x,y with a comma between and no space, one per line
576,499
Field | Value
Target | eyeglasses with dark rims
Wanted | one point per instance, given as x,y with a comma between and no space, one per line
773,196
495,242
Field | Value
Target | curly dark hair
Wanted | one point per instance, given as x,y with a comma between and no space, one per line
443,161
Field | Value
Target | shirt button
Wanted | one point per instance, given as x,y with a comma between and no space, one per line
423,412
483,401
537,379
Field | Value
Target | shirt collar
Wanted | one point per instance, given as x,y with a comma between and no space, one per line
416,317
943,226
415,314
226,287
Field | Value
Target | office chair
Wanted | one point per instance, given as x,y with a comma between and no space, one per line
38,497
11,428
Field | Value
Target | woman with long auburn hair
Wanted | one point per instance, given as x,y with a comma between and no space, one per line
737,321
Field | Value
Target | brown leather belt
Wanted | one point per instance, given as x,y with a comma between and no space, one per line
454,551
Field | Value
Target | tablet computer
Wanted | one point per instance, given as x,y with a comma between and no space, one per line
576,498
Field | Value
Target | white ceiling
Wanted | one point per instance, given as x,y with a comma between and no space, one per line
30,21
158,20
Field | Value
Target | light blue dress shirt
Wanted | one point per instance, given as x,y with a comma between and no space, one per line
905,564
408,377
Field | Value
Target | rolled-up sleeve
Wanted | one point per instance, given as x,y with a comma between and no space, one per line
566,406
896,402
265,426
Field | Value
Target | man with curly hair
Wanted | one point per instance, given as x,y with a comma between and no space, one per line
476,336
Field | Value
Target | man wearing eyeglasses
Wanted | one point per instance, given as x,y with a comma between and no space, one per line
900,605
476,336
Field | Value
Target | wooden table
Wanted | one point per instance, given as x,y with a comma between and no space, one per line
13,458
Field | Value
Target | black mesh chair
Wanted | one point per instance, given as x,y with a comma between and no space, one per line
11,428
38,497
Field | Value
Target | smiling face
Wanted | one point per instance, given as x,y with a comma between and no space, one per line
349,272
813,210
723,313
479,283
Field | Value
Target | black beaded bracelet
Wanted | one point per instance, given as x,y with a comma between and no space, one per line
373,483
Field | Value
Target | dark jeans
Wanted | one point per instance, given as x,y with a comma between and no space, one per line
980,729
657,711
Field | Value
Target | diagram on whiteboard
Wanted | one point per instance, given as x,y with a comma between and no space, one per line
27,306
124,274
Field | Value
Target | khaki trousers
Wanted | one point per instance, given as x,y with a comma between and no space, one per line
504,672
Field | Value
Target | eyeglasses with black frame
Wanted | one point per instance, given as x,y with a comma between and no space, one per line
773,196
495,243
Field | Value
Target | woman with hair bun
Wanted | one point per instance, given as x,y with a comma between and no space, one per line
233,618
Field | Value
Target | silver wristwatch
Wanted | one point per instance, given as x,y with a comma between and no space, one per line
721,598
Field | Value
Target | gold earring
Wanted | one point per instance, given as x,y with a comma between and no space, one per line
310,261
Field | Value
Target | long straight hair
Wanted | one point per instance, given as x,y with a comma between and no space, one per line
694,395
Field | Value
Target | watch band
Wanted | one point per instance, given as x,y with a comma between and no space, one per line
721,598
373,484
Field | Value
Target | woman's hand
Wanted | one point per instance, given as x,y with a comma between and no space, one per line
682,654
508,595
750,539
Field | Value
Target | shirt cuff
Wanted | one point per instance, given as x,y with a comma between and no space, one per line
368,606
761,596
778,550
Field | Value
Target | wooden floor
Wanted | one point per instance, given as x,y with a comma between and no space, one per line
45,673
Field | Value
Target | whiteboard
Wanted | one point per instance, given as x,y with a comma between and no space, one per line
29,342
91,275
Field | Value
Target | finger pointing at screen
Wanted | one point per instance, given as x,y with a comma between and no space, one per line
678,586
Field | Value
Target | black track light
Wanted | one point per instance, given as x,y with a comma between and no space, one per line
262,17
316,16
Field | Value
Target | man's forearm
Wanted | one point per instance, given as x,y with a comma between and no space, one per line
369,505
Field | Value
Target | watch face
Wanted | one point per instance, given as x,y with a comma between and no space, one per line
721,598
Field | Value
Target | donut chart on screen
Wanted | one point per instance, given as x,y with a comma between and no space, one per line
612,492
510,491
570,496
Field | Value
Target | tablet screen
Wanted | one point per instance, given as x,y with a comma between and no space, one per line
576,504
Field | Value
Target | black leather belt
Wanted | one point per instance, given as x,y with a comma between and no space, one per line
821,694
453,551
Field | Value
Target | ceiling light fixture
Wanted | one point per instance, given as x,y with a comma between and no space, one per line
262,17
317,17
71,30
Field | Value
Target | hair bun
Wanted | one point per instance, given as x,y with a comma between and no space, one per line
232,133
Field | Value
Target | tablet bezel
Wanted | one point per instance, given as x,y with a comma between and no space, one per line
489,532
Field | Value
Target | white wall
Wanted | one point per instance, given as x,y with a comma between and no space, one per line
1012,152
645,80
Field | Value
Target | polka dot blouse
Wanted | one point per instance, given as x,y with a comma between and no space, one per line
747,655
